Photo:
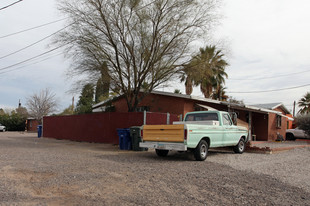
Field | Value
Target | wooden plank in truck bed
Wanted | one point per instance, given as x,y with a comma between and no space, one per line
163,133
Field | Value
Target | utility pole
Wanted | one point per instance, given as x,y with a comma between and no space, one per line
72,104
294,108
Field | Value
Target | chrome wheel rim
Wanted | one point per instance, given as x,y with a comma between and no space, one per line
203,151
241,146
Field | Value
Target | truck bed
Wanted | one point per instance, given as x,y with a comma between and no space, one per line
163,133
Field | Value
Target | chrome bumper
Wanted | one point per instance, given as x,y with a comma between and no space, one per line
164,145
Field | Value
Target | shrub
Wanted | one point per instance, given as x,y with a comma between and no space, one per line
13,121
304,123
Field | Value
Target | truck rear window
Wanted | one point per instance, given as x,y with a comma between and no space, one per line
202,117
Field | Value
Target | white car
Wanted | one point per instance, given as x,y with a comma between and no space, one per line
292,134
2,128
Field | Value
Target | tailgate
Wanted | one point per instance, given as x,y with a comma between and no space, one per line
163,133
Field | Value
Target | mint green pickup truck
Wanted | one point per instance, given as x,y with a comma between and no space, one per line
197,133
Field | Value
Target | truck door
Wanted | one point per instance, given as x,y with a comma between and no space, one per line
230,135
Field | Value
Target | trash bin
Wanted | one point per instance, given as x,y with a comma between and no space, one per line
135,134
39,131
124,139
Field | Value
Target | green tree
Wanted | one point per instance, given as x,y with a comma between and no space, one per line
304,123
304,104
103,85
86,100
14,120
219,93
140,41
68,111
206,69
177,91
235,101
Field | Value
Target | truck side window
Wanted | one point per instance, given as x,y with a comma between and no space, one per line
226,119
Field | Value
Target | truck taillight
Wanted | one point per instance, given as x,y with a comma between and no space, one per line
141,133
185,134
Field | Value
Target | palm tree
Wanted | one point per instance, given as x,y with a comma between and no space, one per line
211,65
189,76
219,93
206,69
304,103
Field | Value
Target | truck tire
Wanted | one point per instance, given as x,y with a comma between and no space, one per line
161,153
201,151
240,147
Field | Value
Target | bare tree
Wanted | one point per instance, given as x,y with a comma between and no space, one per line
142,42
41,104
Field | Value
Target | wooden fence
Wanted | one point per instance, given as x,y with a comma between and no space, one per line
99,127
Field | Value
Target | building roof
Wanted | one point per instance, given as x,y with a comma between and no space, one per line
273,106
253,108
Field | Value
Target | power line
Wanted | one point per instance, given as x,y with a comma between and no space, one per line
272,90
27,60
270,77
4,68
1,37
34,43
10,4
18,68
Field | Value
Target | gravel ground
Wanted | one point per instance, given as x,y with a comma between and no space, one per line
41,171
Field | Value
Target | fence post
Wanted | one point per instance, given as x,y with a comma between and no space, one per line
144,117
168,118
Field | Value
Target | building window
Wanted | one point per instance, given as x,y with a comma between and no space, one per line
279,121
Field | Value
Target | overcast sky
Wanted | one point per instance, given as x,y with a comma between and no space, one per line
268,42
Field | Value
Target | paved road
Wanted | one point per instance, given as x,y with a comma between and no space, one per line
45,171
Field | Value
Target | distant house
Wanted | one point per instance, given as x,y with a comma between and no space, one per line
31,125
263,123
280,108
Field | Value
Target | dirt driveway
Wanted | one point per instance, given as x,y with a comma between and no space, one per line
41,171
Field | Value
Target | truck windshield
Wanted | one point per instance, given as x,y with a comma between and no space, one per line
202,117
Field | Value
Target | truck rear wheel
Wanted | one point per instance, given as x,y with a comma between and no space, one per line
201,151
161,153
240,147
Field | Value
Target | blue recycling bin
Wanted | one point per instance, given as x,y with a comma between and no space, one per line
124,139
39,131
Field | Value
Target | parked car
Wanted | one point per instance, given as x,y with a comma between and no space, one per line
292,134
2,128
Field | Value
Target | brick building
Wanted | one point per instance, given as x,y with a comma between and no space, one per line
263,121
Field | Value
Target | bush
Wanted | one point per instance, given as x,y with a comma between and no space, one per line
304,123
13,121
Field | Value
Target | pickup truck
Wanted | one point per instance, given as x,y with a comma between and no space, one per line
197,133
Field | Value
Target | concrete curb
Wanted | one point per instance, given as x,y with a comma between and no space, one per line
269,150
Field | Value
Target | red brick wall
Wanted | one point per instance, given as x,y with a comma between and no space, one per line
97,127
273,129
32,125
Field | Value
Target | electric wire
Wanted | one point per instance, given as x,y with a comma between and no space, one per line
10,4
34,43
32,28
42,40
21,67
27,60
265,91
270,77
